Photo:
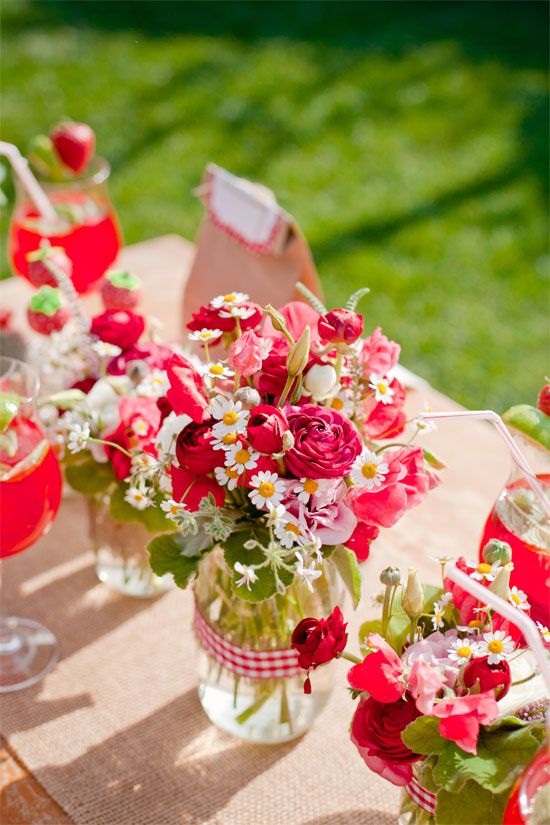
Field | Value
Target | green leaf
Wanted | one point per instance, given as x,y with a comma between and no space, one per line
9,404
152,518
472,806
348,567
266,584
433,460
166,555
422,736
89,477
354,299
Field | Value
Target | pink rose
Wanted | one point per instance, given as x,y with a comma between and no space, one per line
187,393
341,326
326,515
266,428
424,684
245,354
461,718
325,443
380,673
385,420
378,354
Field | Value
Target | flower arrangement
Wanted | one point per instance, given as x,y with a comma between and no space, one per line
450,704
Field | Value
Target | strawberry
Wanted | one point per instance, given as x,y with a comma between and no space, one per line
38,260
543,401
74,144
120,290
46,312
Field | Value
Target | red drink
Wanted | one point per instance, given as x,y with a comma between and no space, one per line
524,800
30,487
87,231
517,519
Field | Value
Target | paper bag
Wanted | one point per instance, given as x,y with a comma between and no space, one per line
246,243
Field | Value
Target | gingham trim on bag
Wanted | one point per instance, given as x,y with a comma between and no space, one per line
258,248
421,796
256,664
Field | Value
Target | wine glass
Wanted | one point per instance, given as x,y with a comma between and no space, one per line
30,494
86,226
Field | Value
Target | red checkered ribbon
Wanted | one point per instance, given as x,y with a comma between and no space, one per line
258,248
421,796
256,664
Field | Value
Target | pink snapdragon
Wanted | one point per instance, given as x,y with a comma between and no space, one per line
245,354
378,354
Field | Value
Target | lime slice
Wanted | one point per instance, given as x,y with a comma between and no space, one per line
9,404
530,422
33,459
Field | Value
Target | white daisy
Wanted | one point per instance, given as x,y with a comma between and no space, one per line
241,458
275,514
140,427
462,650
231,418
144,465
305,488
226,476
496,646
229,300
174,510
266,486
205,336
424,425
519,598
137,498
237,312
343,402
438,616
216,372
544,632
248,574
78,438
381,386
105,350
305,572
369,470
289,532
483,572
154,385
223,441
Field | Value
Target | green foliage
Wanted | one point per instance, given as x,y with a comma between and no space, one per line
480,807
409,140
167,555
266,584
347,565
152,518
89,477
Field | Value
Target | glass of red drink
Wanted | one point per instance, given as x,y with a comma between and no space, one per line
86,226
527,802
30,494
518,518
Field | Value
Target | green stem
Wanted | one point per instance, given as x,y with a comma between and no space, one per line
414,625
286,389
110,444
351,658
386,610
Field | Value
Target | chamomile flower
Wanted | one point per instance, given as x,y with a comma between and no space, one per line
248,574
275,513
216,372
229,300
138,498
496,646
438,619
205,336
483,572
305,488
225,441
225,476
381,386
105,350
175,510
462,650
154,385
231,418
140,427
78,438
369,470
241,458
266,486
424,425
519,598
289,532
144,465
308,573
343,402
237,312
544,632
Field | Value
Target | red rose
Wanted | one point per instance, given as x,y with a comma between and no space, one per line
376,731
266,427
385,420
272,377
318,641
482,676
191,489
155,356
119,327
194,449
325,443
211,318
187,393
340,326
543,400
361,540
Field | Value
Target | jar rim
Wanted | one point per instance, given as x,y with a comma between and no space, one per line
97,172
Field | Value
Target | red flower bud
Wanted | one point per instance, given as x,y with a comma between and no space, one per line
340,326
319,640
543,401
266,428
478,673
120,327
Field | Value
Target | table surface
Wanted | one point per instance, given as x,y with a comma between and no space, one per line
450,521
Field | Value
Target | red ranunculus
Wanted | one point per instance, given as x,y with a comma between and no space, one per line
380,673
119,327
325,443
361,540
272,377
266,427
376,731
211,318
340,326
318,641
194,449
191,489
187,393
482,676
385,420
155,356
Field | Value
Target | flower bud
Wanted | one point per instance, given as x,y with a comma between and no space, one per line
278,320
501,583
249,397
413,597
288,441
479,677
391,576
320,381
340,326
496,550
298,356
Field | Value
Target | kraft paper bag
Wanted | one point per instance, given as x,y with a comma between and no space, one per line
246,243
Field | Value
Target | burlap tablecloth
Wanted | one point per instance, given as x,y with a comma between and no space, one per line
116,735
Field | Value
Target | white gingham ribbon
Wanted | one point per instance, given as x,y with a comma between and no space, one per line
256,664
421,796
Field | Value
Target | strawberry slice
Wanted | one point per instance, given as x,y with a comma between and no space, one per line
74,144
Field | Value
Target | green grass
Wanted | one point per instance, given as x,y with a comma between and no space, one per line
409,140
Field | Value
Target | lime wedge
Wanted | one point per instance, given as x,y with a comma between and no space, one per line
31,460
530,422
9,404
